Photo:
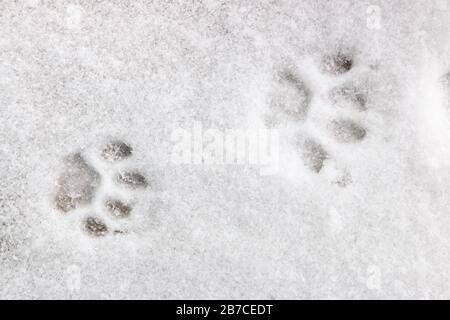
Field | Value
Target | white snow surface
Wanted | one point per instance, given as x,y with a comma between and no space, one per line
74,74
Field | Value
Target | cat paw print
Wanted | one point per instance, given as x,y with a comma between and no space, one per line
291,102
80,185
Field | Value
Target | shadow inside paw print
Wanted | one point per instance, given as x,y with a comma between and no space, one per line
346,131
337,64
314,155
349,96
95,227
289,101
117,208
116,151
77,187
131,179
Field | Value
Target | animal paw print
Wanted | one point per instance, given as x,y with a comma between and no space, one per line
78,186
292,101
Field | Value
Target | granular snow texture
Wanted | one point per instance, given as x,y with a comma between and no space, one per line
356,91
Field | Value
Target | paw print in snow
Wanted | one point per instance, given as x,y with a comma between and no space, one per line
78,186
290,101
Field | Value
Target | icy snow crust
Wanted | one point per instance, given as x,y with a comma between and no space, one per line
351,214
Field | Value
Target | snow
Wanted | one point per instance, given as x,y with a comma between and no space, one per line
373,223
